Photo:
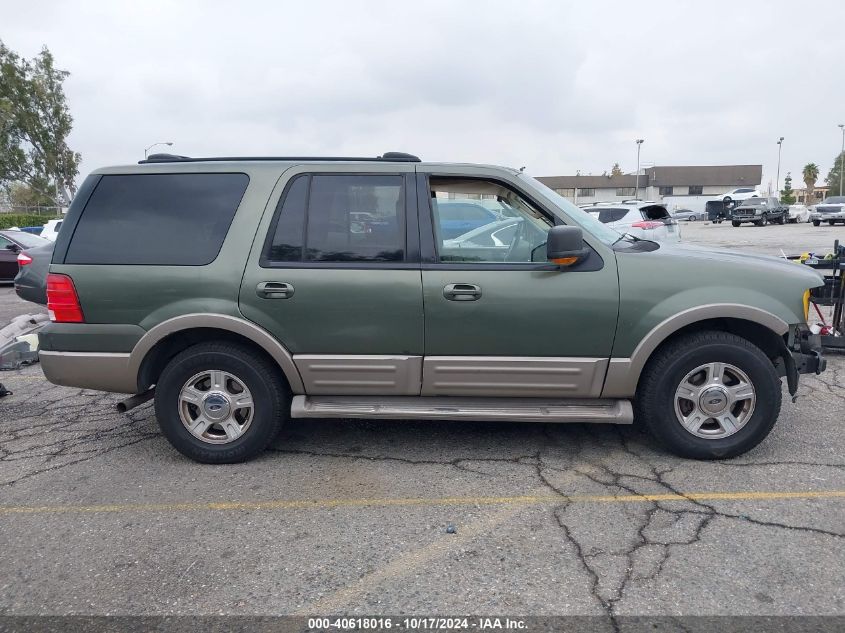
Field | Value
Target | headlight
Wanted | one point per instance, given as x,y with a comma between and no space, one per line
806,305
758,212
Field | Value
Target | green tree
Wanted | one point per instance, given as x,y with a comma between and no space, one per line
810,173
34,125
22,195
787,194
834,175
616,170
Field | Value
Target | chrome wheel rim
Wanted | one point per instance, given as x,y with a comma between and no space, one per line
216,407
715,400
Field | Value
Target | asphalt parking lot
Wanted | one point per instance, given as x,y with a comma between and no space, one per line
99,515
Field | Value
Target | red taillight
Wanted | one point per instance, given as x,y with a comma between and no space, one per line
62,301
647,224
24,259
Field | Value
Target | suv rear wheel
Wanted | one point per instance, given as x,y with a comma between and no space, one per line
709,395
218,403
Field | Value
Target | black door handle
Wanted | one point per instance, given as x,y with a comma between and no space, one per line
462,292
274,290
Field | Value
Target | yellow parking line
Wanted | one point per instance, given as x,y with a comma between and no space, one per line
294,504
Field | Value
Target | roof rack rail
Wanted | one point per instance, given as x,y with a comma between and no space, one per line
389,157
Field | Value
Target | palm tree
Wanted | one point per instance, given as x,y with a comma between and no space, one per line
810,175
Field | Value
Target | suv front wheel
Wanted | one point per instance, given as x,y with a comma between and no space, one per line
219,403
709,395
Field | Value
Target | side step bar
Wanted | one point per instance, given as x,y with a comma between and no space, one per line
449,408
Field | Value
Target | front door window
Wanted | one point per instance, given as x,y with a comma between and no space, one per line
481,221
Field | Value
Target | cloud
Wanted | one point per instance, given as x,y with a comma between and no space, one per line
555,86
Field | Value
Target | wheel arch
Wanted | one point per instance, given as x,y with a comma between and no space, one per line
165,340
762,328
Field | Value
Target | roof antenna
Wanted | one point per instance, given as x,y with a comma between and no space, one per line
522,169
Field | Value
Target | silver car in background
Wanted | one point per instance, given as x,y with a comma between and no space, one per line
830,210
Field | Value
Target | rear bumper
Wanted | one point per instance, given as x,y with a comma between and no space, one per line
89,370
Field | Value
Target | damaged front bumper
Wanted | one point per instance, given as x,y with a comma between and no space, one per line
803,355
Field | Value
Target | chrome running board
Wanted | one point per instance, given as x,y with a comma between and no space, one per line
456,408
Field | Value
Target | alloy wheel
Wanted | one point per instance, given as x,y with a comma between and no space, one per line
216,406
714,400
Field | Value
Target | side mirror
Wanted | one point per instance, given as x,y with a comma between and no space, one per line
565,245
13,247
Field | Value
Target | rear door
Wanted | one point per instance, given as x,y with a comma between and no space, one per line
344,296
8,259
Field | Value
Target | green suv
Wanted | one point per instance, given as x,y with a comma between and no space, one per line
240,292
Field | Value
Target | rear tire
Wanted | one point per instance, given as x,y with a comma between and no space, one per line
661,401
816,223
241,403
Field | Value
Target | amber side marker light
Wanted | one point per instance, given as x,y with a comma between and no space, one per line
564,261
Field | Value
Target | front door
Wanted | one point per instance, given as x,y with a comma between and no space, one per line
499,321
334,275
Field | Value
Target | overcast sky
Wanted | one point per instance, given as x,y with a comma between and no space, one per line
555,86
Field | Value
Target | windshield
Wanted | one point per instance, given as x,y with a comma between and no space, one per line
754,202
835,200
589,223
27,240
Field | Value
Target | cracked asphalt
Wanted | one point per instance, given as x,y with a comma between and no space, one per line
98,515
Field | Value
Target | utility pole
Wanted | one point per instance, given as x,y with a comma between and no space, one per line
777,178
639,144
577,173
841,158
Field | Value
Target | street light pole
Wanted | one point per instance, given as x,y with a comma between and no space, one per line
147,149
639,143
777,178
841,158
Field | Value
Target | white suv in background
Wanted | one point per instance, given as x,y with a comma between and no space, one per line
51,230
741,193
646,220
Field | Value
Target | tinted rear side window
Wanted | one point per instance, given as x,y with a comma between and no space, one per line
342,218
157,219
611,215
288,236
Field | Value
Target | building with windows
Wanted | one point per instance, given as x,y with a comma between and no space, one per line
657,183
819,193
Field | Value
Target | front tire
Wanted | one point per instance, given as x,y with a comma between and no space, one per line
709,395
735,223
816,223
220,403
763,221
